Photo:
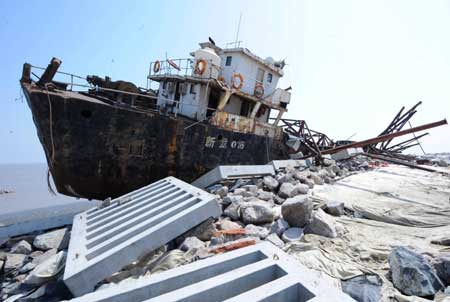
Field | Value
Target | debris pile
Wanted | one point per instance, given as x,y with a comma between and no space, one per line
284,209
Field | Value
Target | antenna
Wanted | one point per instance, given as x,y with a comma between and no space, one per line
237,33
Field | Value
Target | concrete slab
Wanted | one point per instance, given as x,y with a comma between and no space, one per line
279,165
346,153
261,272
233,172
105,240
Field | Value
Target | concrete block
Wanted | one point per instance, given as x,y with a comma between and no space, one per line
279,165
261,272
346,153
105,240
40,219
232,172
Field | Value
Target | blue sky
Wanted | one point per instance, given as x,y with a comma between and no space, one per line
352,64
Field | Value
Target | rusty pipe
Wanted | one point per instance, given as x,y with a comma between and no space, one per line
385,137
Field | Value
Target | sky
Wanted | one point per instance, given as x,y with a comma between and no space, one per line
352,64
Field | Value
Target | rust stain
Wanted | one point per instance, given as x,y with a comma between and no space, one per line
233,246
239,231
172,152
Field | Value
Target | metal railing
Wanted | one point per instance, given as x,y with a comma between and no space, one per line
179,67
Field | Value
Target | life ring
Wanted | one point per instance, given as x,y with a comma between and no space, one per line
156,66
200,66
259,90
233,81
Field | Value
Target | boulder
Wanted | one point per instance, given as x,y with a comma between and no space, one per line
14,261
412,274
222,191
256,231
322,224
335,208
226,224
58,239
442,266
297,210
286,190
229,199
270,182
274,239
22,247
264,195
317,179
366,288
47,270
204,231
39,257
251,188
278,200
233,210
279,226
292,234
191,243
256,213
300,189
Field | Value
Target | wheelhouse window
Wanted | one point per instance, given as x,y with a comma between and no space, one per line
228,61
269,78
192,89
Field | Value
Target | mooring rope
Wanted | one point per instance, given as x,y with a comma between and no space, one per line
52,157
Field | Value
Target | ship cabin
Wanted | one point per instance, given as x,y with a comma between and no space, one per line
231,88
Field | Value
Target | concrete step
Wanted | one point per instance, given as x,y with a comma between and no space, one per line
105,240
261,272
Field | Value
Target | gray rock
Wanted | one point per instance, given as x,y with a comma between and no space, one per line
271,183
229,199
292,234
309,183
58,239
14,261
278,199
226,224
22,247
191,243
263,195
256,213
51,291
322,224
284,178
442,266
366,288
279,226
27,267
256,231
300,189
222,191
286,190
233,210
251,188
274,239
39,258
47,270
317,179
328,180
412,274
203,231
335,208
297,210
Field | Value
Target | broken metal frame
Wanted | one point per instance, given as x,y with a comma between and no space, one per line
313,142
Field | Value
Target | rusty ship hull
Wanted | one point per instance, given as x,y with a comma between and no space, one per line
96,149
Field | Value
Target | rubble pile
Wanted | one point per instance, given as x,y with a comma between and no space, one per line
32,267
282,209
